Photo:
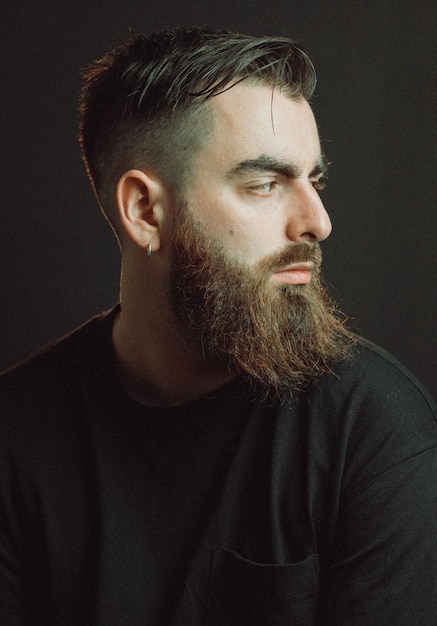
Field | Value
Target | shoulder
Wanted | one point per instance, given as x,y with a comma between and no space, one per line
374,376
371,413
49,379
380,413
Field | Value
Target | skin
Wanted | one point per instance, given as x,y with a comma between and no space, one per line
253,187
257,211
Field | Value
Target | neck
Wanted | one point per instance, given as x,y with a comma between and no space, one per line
155,364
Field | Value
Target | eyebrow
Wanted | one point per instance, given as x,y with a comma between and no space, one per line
266,163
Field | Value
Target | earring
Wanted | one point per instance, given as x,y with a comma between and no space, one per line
149,250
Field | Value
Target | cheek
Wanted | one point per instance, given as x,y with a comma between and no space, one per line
218,217
245,244
238,241
242,234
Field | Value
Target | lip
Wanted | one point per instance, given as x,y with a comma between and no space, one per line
294,274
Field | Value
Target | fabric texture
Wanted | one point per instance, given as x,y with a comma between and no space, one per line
232,510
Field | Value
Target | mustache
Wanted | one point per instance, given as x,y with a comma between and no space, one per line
294,253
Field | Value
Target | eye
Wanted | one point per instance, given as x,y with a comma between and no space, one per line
319,184
264,187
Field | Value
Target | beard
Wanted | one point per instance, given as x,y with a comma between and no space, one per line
279,337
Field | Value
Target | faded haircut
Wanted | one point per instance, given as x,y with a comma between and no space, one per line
143,104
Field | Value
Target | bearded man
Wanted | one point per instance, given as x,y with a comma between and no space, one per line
218,449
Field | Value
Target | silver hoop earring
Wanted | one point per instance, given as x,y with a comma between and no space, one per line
149,251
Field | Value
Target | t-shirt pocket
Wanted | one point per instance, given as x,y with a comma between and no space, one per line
246,593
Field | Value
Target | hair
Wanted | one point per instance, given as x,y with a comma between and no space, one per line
142,104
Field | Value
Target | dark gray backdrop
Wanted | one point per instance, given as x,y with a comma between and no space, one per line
374,107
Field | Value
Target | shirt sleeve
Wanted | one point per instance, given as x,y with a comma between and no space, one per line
380,564
386,557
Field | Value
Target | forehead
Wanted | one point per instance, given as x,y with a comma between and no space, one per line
251,119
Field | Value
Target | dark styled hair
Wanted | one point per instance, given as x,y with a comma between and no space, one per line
142,104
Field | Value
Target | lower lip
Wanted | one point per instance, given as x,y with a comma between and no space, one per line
293,277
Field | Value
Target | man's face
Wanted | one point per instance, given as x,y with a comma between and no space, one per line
254,185
245,283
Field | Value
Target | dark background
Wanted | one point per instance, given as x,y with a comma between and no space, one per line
374,106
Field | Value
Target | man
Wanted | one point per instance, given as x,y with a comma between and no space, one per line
218,449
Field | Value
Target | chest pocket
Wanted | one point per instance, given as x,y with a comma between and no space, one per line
245,593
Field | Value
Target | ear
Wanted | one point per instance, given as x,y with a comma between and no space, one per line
140,200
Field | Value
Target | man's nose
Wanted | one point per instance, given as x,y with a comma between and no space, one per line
308,220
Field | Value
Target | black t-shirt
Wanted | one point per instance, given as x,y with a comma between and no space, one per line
230,510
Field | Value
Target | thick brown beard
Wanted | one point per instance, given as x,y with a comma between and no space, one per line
279,337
